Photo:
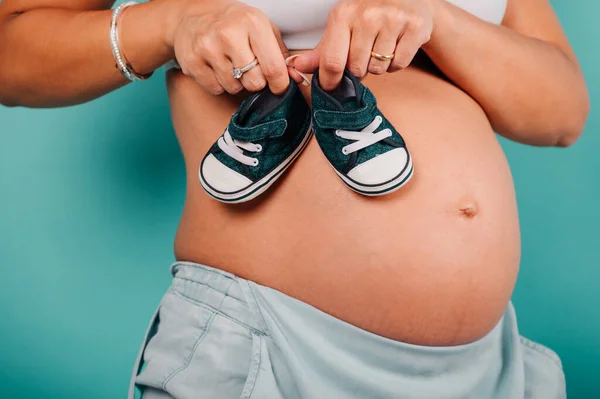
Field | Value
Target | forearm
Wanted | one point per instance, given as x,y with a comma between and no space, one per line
531,90
56,57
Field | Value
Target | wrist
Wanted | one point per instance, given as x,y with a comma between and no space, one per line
141,34
440,17
170,13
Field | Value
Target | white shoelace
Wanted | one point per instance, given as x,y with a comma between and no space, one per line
365,137
233,148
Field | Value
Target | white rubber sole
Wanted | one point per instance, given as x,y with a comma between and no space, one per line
259,187
383,189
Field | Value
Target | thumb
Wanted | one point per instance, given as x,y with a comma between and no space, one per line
308,62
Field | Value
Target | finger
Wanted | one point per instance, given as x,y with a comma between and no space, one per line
271,61
209,54
253,79
284,50
361,43
410,42
385,44
236,46
334,49
288,59
223,67
205,76
298,77
308,62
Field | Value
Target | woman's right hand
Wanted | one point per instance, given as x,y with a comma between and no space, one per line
210,38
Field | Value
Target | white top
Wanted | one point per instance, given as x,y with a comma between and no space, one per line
302,22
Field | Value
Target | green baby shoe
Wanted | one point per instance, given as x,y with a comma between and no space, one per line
263,138
361,145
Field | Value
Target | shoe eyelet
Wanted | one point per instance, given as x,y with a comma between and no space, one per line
344,151
258,148
255,163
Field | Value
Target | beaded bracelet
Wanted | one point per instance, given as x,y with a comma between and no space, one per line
121,62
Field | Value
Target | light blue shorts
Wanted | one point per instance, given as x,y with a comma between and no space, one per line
217,336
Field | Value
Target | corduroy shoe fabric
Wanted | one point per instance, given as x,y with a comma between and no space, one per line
263,138
362,146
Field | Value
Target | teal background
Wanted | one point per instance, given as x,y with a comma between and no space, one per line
90,197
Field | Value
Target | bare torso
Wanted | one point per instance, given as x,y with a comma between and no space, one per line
434,263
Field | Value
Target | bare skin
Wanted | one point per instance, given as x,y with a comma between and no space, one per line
434,263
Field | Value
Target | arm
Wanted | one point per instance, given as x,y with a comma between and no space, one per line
56,53
524,74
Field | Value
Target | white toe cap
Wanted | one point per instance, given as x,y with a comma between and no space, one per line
380,169
222,178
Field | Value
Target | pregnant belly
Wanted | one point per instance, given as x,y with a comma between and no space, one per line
434,263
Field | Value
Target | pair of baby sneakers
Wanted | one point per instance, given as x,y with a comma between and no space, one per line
268,132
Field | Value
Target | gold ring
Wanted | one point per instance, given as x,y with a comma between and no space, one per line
381,56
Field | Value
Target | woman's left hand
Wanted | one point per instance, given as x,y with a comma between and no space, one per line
357,27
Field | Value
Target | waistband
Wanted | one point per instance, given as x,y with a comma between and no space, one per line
224,292
295,323
328,357
265,309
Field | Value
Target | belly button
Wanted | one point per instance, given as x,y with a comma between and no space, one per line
468,211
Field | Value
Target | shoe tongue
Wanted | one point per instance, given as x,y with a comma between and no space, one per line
347,96
259,107
350,106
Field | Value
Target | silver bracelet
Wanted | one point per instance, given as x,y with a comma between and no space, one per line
121,62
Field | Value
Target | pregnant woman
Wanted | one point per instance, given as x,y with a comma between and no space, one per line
312,290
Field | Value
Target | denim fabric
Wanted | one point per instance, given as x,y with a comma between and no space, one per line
217,336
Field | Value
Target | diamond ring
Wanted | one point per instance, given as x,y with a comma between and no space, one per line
238,72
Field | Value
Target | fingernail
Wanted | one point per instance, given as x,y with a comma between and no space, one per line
288,60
